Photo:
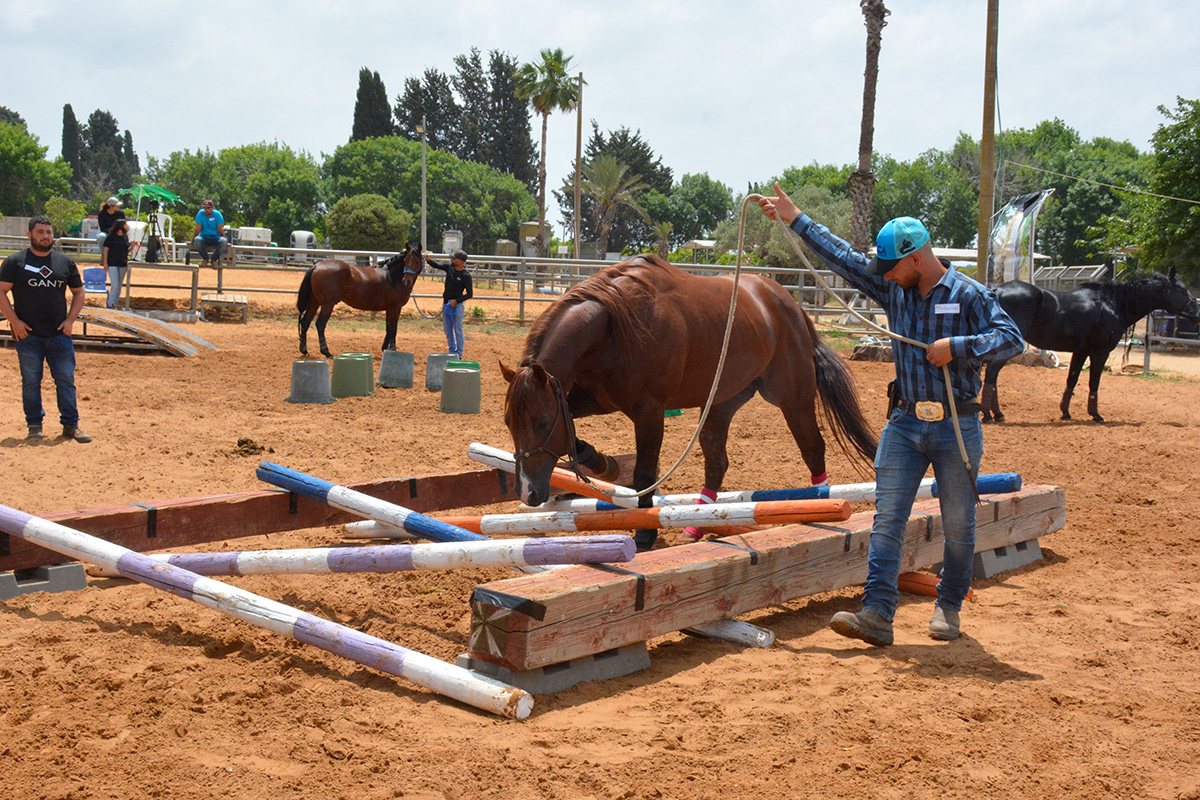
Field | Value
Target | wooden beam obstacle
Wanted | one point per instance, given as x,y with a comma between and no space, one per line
185,522
533,621
613,548
438,676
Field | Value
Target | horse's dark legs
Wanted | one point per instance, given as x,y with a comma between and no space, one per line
389,337
1077,360
1096,370
304,320
990,397
605,466
322,318
801,420
648,433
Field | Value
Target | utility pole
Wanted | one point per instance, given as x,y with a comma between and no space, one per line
421,130
987,148
578,161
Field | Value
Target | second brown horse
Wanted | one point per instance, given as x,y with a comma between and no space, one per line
641,337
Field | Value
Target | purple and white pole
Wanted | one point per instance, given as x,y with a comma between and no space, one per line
614,548
437,676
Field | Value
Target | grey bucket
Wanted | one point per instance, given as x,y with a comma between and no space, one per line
310,382
395,370
435,365
461,391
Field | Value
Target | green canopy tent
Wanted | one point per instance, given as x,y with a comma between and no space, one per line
149,190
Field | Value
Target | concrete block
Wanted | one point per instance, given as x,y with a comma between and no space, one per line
992,562
54,578
557,677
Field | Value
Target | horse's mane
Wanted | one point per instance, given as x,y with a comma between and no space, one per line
619,289
1132,292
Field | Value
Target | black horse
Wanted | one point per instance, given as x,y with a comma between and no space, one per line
1087,322
379,288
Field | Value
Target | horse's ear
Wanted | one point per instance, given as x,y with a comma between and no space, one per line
539,374
508,373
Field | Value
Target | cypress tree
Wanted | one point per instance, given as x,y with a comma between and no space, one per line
372,115
72,145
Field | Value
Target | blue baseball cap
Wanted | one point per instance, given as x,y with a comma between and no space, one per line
898,238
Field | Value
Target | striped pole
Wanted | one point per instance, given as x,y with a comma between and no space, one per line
995,483
402,557
777,512
362,504
437,676
561,479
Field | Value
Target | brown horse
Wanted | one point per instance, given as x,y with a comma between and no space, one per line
641,337
378,288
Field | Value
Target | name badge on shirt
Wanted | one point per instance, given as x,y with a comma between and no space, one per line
945,308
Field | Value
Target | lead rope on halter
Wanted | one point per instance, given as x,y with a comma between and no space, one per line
791,238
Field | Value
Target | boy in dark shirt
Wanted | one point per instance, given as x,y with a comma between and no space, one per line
457,291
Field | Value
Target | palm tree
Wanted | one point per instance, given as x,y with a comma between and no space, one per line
549,88
861,184
662,234
607,182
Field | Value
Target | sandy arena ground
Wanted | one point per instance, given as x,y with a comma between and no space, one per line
1077,677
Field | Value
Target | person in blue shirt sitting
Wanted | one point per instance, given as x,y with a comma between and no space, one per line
209,234
963,325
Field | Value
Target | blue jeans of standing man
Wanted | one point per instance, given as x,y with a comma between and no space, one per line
907,447
452,323
59,352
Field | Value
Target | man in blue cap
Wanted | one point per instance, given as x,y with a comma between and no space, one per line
963,326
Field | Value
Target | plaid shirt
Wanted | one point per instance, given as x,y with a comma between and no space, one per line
957,308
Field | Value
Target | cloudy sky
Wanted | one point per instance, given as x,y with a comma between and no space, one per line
739,89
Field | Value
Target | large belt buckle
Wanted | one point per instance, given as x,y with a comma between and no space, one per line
930,411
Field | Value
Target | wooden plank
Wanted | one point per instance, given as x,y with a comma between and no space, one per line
198,520
141,326
536,620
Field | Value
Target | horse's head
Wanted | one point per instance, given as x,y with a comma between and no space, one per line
404,267
535,411
1179,300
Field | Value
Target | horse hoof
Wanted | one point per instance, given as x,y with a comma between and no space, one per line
327,354
612,470
999,417
1065,415
1097,418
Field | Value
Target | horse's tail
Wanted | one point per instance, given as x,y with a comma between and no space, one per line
304,296
835,384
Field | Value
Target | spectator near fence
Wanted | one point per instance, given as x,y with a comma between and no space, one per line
209,234
41,324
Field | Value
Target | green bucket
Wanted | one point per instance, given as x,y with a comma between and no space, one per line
353,375
463,365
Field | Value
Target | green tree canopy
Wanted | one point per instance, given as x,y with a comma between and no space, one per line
430,99
372,113
8,115
611,188
368,222
629,230
769,244
483,203
65,215
1170,229
27,179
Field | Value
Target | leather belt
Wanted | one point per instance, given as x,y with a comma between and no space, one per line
910,407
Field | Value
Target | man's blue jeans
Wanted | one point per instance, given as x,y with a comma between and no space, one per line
452,324
59,352
216,245
907,447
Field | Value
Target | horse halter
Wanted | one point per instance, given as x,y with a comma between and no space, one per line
563,412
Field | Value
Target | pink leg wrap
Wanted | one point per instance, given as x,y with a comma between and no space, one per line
706,496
